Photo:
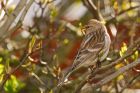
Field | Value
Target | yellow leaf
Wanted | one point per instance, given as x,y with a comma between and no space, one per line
54,56
119,66
31,44
66,41
51,91
11,8
1,68
1,59
1,77
123,49
120,77
136,54
115,5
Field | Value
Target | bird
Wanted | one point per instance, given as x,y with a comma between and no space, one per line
93,49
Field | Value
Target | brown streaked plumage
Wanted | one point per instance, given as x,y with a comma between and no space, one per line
94,47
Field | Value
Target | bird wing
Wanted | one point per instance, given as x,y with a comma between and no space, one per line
90,47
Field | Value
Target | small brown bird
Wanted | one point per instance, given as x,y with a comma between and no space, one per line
94,47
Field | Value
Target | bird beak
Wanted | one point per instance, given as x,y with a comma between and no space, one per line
83,30
103,22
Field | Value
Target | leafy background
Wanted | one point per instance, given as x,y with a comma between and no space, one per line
41,43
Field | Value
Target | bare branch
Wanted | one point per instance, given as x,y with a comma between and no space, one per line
7,76
5,27
132,48
128,53
93,9
122,12
117,73
130,82
19,24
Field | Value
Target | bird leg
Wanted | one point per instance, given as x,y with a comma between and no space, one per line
98,64
92,68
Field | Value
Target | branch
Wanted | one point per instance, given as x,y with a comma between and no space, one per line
95,12
80,86
108,78
22,60
121,13
132,48
5,27
7,76
131,8
128,53
19,24
130,82
117,73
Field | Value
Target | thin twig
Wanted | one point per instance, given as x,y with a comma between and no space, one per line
131,8
132,48
22,60
121,13
19,23
116,87
128,53
7,76
118,72
37,78
5,27
130,82
93,9
80,86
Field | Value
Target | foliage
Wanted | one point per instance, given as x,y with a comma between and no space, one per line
44,36
13,85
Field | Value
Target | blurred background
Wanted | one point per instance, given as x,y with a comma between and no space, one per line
39,40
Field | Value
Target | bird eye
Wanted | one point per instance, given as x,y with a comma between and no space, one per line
87,26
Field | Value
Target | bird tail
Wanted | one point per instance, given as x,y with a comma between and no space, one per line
65,77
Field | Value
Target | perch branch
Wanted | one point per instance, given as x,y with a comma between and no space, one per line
117,73
132,48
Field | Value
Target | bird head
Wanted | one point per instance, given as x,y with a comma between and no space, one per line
92,25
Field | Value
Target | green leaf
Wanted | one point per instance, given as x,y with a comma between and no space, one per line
53,13
1,59
32,43
138,19
123,49
11,9
125,4
66,41
121,54
1,68
51,91
115,5
135,55
13,85
1,77
7,66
